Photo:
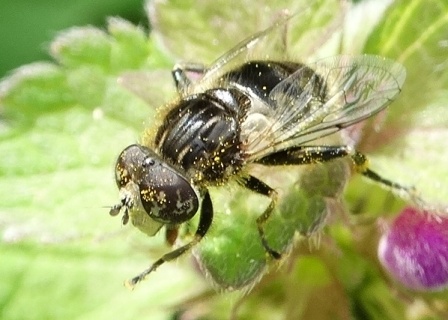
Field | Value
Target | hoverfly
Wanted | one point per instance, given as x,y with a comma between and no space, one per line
246,109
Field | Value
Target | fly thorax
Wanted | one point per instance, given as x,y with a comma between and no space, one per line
202,136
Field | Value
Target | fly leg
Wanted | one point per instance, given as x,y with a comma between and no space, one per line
262,188
205,221
305,155
317,154
291,156
184,72
362,166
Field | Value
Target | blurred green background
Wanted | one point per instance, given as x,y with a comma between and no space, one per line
27,26
83,278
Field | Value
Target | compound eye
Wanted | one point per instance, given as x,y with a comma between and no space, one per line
128,163
165,194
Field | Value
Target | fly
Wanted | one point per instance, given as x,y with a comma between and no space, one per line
245,110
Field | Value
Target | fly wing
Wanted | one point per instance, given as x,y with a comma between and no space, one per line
322,98
291,33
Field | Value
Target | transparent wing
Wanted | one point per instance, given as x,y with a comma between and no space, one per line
320,99
301,33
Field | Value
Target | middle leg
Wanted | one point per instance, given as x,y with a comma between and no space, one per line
180,71
262,188
205,220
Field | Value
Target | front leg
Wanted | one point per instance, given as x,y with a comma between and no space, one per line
180,74
205,221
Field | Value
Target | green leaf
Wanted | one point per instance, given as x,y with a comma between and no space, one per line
232,255
204,34
63,125
415,34
413,140
63,256
83,45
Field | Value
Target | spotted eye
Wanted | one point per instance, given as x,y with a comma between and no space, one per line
165,194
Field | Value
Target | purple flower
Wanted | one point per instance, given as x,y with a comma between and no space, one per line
415,250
